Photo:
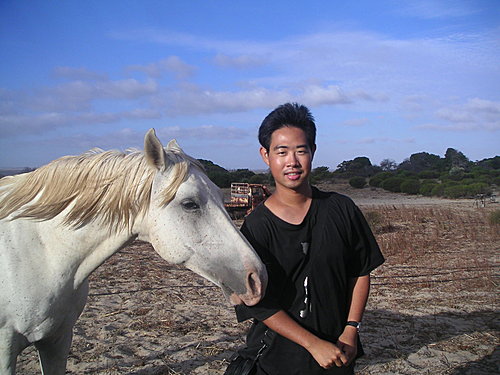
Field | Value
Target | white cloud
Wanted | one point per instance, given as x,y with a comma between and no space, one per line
15,125
237,62
375,140
432,9
317,95
171,64
204,132
474,115
78,73
191,99
460,127
361,69
485,106
355,122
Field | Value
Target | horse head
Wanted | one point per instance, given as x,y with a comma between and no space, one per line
187,224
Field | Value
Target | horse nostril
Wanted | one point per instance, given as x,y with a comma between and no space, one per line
253,284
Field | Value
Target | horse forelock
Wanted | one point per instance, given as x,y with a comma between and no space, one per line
111,186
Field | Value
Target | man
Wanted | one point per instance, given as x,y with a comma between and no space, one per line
319,252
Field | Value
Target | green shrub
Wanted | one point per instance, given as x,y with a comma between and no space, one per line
374,219
410,186
457,191
478,188
377,180
404,173
426,189
494,218
456,173
438,190
485,179
357,182
428,174
393,184
467,181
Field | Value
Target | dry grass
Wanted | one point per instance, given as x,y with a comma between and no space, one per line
431,245
433,308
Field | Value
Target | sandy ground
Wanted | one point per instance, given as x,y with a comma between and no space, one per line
433,307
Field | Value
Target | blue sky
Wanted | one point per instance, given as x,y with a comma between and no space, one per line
384,79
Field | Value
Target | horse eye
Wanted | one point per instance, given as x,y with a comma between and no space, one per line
189,205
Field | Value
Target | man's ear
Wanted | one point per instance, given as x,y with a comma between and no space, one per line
313,150
264,154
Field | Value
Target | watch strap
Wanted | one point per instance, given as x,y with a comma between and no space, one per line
354,324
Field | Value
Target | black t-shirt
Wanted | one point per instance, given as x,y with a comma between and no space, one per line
309,267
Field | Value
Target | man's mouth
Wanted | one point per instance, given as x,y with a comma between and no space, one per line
293,175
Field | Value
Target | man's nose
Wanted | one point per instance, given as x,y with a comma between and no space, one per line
292,160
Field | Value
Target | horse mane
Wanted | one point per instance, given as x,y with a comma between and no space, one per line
111,186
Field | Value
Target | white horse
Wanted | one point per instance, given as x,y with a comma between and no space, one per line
60,222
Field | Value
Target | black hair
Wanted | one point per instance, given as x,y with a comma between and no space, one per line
288,114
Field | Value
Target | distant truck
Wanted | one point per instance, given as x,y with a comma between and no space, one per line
244,198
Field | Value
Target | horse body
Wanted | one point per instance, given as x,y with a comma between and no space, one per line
46,257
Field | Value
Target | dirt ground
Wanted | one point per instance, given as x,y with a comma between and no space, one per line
433,307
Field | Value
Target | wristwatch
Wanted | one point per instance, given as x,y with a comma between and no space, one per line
354,324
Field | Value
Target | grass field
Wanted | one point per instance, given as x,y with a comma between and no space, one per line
433,308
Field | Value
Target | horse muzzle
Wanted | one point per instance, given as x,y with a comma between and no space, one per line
255,284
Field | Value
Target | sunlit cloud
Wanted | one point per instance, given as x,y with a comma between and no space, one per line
355,122
78,73
237,62
433,9
171,64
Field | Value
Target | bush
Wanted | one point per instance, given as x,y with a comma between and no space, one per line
357,182
438,190
457,191
377,180
405,173
428,174
261,178
478,188
393,184
374,219
426,189
494,218
410,186
485,179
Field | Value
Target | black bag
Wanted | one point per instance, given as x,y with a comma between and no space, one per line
241,366
246,366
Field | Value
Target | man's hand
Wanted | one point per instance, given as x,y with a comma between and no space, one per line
348,343
327,354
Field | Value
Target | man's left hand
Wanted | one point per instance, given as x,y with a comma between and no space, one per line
348,343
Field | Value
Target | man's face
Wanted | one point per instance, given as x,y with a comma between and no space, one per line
289,157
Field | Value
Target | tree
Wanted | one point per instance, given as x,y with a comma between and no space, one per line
360,166
456,159
388,165
421,161
320,174
241,175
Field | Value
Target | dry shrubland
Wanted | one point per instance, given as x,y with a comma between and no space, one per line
433,307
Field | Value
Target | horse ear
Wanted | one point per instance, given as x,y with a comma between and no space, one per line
174,147
153,149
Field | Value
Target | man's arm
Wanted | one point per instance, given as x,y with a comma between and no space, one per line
360,289
324,352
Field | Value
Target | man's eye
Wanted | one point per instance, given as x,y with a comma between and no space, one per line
189,205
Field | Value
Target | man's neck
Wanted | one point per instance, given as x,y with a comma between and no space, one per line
290,205
292,197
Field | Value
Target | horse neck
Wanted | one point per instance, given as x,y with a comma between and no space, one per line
84,249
